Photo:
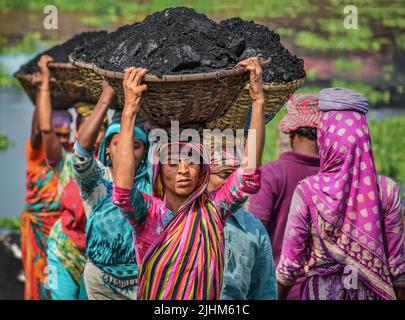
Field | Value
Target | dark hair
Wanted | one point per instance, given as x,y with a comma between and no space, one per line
306,132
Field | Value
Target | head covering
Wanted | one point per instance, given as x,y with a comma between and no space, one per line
142,179
61,120
344,199
342,99
191,244
160,149
84,110
303,111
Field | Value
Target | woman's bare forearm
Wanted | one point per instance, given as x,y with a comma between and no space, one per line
256,136
53,148
124,166
88,134
36,139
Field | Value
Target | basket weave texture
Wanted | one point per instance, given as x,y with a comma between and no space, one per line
276,95
190,99
67,86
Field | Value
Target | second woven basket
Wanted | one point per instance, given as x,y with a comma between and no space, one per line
276,95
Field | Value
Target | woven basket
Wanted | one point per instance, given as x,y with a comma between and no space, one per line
59,98
66,84
276,95
192,99
93,80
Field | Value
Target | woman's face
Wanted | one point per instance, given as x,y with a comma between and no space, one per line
180,177
139,149
64,138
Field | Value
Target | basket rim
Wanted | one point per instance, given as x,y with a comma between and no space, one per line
219,74
61,65
276,86
51,65
80,63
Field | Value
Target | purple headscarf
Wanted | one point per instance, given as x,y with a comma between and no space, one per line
61,119
340,99
343,199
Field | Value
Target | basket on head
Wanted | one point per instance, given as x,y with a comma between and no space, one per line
59,98
72,81
94,82
189,98
238,116
67,86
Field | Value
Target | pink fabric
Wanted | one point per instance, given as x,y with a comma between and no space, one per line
121,198
303,111
227,199
343,199
302,246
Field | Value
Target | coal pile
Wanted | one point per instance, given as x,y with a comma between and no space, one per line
259,39
182,41
61,51
174,41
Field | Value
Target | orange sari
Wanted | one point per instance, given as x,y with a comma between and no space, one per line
41,212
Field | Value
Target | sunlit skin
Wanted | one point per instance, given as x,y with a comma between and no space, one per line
180,178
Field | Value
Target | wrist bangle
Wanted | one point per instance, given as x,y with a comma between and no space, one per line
43,89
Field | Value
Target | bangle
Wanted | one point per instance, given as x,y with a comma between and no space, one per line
43,89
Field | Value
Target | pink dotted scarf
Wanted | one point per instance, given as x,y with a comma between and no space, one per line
344,199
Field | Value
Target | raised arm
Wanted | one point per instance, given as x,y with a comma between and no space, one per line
124,166
53,148
125,195
255,141
88,133
36,139
242,183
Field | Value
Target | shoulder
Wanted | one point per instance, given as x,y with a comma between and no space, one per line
271,166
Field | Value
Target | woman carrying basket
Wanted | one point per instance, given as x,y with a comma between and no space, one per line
179,238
